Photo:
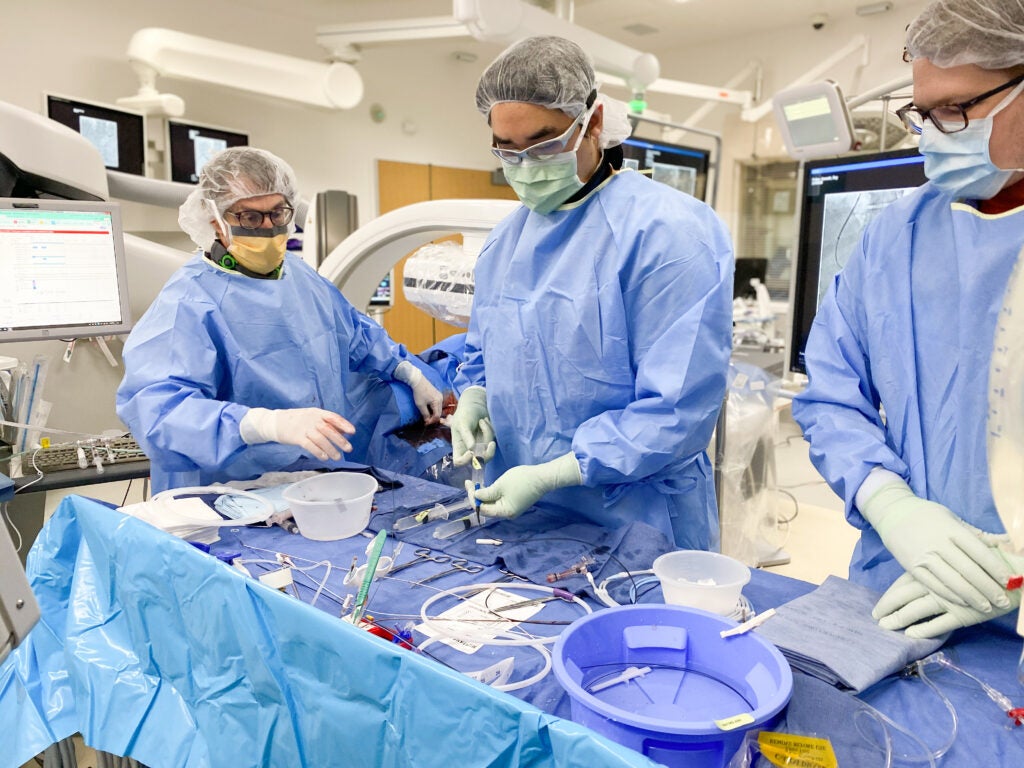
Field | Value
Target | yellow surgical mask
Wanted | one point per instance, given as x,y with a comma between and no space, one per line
259,250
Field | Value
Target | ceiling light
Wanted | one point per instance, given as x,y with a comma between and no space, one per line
872,8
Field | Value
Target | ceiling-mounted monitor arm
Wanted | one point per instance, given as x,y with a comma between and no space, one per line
859,43
717,137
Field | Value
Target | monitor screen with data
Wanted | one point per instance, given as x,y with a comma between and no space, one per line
682,168
840,196
63,267
118,134
191,145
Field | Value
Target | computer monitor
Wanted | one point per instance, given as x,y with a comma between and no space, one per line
683,168
64,270
384,295
190,145
118,134
839,197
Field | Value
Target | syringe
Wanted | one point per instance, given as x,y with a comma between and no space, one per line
437,512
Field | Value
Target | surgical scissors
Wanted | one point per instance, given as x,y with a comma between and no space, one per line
423,555
458,564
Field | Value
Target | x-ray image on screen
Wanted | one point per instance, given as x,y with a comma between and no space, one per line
676,176
205,148
846,216
103,135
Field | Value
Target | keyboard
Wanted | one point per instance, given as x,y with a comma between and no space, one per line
95,452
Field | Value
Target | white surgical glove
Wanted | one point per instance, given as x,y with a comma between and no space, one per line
937,548
315,430
424,394
470,425
521,487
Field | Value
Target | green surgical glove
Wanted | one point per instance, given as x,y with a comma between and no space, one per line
909,605
471,425
938,549
521,487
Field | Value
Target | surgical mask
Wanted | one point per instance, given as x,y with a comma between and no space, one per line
959,163
259,250
543,185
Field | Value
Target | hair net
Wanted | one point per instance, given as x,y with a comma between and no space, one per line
550,72
232,175
988,33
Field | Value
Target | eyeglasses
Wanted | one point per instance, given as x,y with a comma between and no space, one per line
254,219
544,150
950,118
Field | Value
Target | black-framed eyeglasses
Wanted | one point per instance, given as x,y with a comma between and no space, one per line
254,219
949,118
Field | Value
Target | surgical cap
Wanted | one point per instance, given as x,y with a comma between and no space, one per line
232,175
987,33
553,73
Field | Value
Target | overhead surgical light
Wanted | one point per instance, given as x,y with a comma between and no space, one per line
154,51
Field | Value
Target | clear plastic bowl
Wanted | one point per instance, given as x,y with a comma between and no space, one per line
335,505
699,579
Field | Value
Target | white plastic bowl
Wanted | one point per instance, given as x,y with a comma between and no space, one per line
335,505
699,579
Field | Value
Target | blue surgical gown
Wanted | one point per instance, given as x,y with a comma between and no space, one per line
215,343
605,328
898,361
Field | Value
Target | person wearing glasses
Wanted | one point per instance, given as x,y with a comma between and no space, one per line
248,361
601,328
898,357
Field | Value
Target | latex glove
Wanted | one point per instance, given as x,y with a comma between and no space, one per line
937,548
470,425
910,605
521,487
315,430
426,396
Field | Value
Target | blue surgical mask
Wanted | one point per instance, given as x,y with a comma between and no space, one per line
544,184
959,163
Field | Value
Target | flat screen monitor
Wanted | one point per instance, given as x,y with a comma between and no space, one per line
64,270
839,197
384,295
118,134
190,145
683,168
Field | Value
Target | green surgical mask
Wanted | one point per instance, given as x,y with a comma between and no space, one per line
544,184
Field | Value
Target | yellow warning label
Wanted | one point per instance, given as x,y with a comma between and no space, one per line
785,749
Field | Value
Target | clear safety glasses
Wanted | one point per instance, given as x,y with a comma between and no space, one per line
949,118
544,150
254,219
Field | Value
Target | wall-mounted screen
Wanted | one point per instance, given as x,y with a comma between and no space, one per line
683,168
64,270
190,145
118,134
840,196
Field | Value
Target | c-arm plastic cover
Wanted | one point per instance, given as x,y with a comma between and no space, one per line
151,649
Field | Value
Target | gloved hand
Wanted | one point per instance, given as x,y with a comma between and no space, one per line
424,394
937,548
909,605
471,424
521,487
313,429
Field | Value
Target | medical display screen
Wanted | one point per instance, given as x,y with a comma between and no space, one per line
190,146
383,296
119,136
840,197
64,270
682,168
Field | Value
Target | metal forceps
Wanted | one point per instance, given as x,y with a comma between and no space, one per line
458,564
423,555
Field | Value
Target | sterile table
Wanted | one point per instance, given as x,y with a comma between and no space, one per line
153,649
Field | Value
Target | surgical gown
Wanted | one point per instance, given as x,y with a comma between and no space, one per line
907,328
605,328
215,343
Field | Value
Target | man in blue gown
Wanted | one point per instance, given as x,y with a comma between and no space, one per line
248,361
600,335
898,357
